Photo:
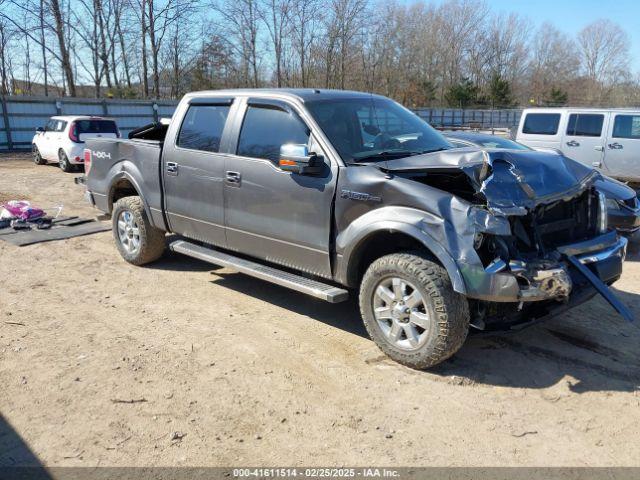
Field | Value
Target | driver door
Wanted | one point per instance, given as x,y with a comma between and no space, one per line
278,216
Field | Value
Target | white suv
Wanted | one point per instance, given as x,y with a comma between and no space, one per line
62,139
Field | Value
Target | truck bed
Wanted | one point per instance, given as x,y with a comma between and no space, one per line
115,161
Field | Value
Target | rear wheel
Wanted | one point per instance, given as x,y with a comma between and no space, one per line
411,311
137,240
63,161
37,158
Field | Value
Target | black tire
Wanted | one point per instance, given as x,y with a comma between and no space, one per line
37,158
443,312
151,241
64,163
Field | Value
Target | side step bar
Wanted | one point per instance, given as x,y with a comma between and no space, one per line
314,288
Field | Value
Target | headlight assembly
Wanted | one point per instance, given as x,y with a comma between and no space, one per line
612,204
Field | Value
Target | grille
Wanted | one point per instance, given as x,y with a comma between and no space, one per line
559,223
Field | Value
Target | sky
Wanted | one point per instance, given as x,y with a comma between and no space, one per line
571,16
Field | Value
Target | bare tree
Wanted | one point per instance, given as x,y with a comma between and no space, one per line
240,21
604,49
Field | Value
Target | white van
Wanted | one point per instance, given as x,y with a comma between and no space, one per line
606,139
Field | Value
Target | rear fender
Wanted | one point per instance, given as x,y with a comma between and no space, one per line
128,171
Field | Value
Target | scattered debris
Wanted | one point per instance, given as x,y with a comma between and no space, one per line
78,455
132,400
522,434
177,436
16,323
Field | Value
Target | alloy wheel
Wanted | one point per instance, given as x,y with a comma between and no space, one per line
401,313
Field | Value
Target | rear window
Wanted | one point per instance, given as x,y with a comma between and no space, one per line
585,125
202,127
541,123
626,126
96,126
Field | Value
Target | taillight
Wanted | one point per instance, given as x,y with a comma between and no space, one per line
73,132
87,161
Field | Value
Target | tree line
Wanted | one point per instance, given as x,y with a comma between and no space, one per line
458,53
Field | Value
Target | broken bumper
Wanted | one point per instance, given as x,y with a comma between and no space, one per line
603,256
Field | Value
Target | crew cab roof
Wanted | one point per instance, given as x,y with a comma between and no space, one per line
300,94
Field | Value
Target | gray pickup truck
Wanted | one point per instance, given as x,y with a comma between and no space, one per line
333,192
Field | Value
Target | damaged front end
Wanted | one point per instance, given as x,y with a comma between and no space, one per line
535,239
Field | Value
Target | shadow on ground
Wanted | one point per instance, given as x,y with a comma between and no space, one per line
591,344
17,461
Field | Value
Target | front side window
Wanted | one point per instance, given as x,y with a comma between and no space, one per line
366,129
585,125
51,126
626,126
265,129
202,127
541,123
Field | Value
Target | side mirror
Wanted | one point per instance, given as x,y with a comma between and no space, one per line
39,130
297,159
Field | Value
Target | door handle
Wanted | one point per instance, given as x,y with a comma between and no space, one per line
598,148
233,178
172,168
615,146
596,164
573,143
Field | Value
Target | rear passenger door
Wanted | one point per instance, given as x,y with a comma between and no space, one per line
193,170
622,150
584,138
279,216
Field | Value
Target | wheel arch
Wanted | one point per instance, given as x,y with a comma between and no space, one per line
124,185
386,237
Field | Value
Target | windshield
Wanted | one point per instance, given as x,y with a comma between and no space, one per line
371,129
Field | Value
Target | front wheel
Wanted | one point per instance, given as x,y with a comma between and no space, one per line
137,240
411,311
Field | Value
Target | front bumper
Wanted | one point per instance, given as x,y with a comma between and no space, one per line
603,255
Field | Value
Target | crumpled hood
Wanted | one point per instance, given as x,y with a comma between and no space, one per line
512,181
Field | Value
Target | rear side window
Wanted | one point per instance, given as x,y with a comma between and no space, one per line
585,125
202,127
60,126
266,129
96,126
626,126
541,123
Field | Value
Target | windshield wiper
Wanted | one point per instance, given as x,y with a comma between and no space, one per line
385,155
422,152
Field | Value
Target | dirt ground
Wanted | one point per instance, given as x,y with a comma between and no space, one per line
179,363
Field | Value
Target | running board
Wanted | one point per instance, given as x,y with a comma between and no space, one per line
314,288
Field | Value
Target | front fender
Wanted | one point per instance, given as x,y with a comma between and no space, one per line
409,221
